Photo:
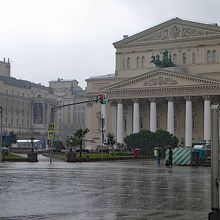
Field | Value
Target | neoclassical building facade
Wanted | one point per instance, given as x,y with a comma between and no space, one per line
142,96
70,118
26,106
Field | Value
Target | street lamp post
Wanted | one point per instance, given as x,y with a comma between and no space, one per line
71,143
1,135
32,143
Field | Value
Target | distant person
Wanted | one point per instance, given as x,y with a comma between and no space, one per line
136,151
170,157
157,155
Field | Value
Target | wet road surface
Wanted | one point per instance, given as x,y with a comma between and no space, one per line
127,190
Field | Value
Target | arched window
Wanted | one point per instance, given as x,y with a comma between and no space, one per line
193,57
128,63
138,62
174,58
214,56
209,57
184,58
142,62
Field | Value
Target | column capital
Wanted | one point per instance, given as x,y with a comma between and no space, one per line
188,98
206,97
152,99
119,101
135,100
169,99
112,102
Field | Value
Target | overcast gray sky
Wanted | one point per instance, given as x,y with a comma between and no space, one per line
72,39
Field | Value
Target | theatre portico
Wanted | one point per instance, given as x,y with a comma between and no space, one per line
176,98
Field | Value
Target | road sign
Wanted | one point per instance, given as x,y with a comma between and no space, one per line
50,135
51,127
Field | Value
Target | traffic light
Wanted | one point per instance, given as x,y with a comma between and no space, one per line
102,98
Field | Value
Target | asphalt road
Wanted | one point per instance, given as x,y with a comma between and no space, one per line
127,190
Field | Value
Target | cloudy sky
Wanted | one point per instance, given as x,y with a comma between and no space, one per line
72,39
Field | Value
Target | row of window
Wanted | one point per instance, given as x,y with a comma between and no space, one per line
19,122
140,61
17,111
18,94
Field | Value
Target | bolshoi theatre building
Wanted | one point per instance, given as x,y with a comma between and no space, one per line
166,77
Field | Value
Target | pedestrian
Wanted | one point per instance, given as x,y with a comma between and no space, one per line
170,157
135,153
155,153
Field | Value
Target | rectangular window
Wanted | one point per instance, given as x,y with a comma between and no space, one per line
193,122
175,122
158,122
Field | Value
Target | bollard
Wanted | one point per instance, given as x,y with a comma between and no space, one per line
215,214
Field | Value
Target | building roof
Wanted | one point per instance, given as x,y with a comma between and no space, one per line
108,76
23,83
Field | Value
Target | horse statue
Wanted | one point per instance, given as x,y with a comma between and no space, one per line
153,60
166,61
158,62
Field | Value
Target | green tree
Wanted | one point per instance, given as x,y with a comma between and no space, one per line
58,145
146,140
78,138
111,139
13,137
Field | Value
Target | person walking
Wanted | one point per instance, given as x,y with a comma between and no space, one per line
157,155
170,157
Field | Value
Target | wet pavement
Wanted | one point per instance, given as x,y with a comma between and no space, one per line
126,190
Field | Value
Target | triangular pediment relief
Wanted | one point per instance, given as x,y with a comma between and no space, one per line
161,78
173,29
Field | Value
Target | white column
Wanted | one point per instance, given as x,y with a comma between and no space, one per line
136,121
113,119
188,124
103,115
120,136
207,120
153,116
170,117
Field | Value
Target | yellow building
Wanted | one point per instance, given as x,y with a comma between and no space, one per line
176,98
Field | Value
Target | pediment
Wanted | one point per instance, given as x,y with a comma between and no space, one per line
162,78
174,29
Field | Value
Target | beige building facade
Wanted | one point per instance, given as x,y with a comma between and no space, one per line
69,118
142,96
27,106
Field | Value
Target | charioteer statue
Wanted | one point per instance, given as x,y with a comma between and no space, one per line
166,61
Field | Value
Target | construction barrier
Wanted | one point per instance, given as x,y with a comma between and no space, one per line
181,156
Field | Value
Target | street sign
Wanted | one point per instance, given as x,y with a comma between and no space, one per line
50,135
51,127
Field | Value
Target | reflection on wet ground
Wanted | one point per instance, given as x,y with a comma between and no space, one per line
103,190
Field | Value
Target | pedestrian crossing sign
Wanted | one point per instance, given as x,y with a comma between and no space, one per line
51,127
50,135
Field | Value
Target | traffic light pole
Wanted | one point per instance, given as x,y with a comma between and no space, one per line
102,131
56,108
